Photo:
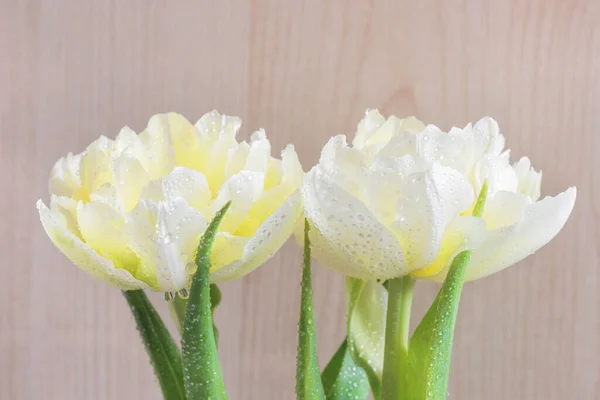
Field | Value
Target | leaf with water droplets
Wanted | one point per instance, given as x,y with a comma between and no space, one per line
164,353
342,378
177,304
430,347
202,371
308,377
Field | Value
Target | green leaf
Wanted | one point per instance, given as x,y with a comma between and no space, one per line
308,378
164,353
202,371
431,345
367,307
178,304
342,378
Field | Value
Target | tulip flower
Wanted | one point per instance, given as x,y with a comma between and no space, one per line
398,201
130,211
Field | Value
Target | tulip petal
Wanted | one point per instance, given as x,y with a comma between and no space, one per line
186,144
127,141
217,132
529,179
504,209
130,178
540,223
178,230
164,236
102,229
431,200
348,238
486,138
434,145
189,185
259,154
82,255
68,208
271,199
497,172
236,159
64,177
367,127
94,168
226,249
267,240
182,182
242,189
214,125
342,163
463,233
382,187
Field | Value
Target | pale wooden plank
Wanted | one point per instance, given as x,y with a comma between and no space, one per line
304,70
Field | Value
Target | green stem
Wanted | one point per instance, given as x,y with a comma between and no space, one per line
400,293
177,308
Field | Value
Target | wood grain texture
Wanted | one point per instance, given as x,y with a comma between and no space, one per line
304,70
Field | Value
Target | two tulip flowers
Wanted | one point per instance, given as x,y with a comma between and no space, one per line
403,201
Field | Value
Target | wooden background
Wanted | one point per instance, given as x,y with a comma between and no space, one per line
306,69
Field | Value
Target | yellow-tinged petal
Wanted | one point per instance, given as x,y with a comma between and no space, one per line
242,190
64,178
217,132
274,197
236,158
130,178
68,208
156,140
128,143
540,222
102,228
95,166
369,125
186,144
430,201
226,249
463,233
217,162
82,255
274,172
267,240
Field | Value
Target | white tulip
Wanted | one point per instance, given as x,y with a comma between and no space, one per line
398,201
